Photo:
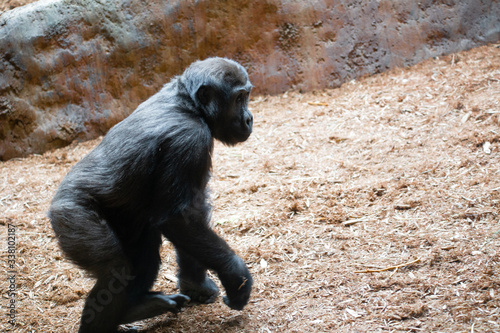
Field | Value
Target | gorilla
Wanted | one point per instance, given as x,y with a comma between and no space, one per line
147,178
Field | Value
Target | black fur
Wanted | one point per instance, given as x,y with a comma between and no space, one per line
146,178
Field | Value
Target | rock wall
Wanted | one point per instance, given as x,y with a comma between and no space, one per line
71,69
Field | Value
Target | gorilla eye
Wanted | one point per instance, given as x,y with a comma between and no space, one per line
240,98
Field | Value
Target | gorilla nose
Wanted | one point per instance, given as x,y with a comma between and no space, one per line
249,121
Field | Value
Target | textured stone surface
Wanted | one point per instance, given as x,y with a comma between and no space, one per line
71,69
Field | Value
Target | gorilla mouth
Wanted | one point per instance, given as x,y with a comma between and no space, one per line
236,138
242,136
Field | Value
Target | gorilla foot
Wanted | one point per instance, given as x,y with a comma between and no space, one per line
155,304
203,293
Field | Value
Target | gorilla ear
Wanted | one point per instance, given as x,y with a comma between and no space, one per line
205,94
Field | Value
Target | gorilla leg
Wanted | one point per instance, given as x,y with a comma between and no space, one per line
105,303
125,269
193,280
121,299
146,259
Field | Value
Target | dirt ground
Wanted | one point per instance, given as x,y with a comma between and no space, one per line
369,208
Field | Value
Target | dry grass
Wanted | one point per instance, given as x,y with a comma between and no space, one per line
396,173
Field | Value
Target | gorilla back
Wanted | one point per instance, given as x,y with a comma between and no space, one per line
148,177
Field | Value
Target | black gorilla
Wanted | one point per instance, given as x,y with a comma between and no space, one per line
149,177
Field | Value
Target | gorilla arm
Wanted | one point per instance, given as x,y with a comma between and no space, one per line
198,247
